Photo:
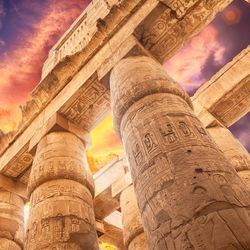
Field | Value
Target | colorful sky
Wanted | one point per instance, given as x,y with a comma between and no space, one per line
29,28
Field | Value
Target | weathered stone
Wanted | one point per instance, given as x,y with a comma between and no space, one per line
235,153
62,189
6,244
225,97
189,195
133,233
11,221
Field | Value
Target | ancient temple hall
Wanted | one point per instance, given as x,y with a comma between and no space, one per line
182,182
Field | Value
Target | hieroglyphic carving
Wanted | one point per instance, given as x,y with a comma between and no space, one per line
163,34
186,189
235,102
89,106
180,6
11,221
62,189
19,164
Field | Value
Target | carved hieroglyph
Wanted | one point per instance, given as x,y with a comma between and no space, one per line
11,221
187,192
133,233
62,189
235,153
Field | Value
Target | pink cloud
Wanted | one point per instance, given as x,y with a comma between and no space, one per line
20,69
187,65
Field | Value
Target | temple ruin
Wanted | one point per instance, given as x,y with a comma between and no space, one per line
183,182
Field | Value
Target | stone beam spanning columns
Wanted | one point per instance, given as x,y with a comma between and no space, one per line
225,98
235,153
188,193
133,232
61,189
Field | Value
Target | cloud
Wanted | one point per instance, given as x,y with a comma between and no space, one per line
20,68
2,42
2,13
186,67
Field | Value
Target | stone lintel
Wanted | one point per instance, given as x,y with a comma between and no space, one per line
205,116
99,227
121,184
104,202
58,123
12,186
130,47
225,97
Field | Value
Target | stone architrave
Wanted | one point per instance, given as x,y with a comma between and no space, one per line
188,194
235,153
62,190
133,233
11,221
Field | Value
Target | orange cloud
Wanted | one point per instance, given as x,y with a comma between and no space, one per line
187,65
20,69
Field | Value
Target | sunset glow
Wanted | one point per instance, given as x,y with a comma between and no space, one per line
28,29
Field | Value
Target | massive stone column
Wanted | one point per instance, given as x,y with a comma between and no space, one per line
235,153
11,221
133,233
188,194
62,189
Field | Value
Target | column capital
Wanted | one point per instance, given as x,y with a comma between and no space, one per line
134,78
59,123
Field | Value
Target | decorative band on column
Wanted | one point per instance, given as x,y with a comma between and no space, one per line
62,189
188,194
11,221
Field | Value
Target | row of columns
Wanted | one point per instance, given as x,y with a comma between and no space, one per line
186,194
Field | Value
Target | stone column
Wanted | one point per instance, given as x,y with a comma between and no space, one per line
11,221
235,153
61,188
133,233
188,194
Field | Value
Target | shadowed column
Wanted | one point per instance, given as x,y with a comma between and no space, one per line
11,221
235,153
188,194
62,189
133,233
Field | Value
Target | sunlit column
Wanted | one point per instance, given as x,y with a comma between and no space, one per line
188,194
133,233
11,221
61,188
235,153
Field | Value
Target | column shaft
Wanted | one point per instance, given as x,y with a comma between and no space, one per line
188,194
133,233
11,221
62,189
235,153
